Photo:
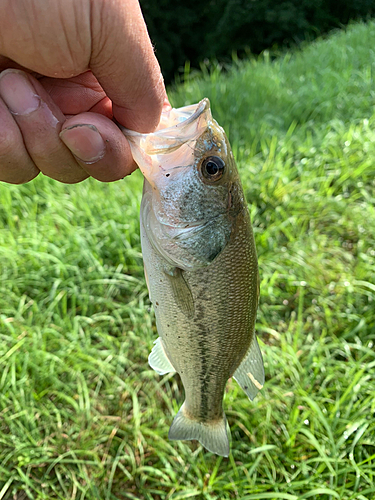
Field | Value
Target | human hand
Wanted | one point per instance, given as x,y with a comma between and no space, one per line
67,69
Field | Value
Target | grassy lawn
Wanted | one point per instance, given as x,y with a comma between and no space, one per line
82,416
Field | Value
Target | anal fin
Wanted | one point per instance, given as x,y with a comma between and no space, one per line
250,373
158,359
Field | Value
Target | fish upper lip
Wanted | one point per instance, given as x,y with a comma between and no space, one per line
202,106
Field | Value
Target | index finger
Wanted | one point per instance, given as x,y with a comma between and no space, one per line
124,63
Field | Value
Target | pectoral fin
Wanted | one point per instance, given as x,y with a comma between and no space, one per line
250,373
158,359
182,293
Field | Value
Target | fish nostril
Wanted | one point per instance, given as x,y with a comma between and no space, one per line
167,175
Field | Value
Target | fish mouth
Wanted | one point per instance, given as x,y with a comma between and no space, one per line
176,128
181,117
173,142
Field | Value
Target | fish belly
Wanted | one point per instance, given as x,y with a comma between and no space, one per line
206,347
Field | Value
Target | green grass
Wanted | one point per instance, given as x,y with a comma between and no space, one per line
82,416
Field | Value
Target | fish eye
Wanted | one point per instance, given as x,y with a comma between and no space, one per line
212,168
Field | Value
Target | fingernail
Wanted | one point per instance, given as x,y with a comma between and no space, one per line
18,93
85,142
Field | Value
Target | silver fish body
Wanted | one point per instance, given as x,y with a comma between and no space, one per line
201,268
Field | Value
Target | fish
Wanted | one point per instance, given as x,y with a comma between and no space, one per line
201,268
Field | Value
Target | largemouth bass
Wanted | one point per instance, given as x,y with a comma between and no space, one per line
201,268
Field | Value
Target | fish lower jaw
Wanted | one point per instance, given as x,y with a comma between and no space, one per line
180,226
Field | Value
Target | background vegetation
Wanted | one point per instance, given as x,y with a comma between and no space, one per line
194,31
82,416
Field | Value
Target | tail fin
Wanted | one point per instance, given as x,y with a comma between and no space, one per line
213,436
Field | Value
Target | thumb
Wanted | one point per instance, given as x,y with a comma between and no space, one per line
123,61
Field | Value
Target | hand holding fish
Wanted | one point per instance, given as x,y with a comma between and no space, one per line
67,68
